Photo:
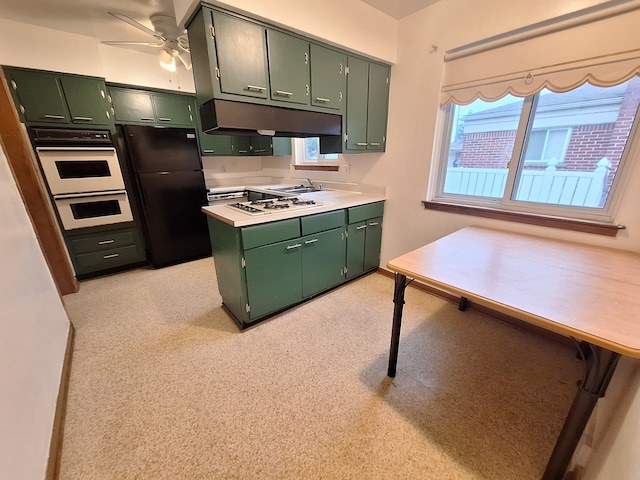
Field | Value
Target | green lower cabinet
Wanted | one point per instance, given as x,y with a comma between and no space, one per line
364,238
265,268
95,253
323,260
274,277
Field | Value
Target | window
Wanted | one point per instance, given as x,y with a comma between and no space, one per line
307,152
551,153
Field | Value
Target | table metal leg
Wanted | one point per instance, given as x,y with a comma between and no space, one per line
398,300
599,367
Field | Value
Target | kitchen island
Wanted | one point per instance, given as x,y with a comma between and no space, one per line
271,261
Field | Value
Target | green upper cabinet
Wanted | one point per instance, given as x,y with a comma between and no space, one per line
56,98
378,106
241,51
367,106
142,107
357,101
288,67
328,79
87,100
174,110
216,144
132,106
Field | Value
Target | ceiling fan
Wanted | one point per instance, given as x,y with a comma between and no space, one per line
171,40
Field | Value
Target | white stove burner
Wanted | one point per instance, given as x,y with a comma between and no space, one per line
273,205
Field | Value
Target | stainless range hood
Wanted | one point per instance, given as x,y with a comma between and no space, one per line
223,117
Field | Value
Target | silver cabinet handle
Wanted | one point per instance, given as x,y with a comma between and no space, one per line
84,119
361,227
307,242
147,119
208,151
56,117
106,242
375,144
361,144
283,93
373,224
164,119
291,247
256,88
325,100
113,255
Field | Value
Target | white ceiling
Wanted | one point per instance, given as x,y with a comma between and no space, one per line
90,17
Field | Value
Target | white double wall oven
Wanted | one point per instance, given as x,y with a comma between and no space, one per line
84,176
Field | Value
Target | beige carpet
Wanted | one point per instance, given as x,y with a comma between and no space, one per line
165,386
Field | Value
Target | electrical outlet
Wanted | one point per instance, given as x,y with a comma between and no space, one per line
223,168
347,169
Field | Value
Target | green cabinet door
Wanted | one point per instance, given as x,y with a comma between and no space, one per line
378,106
274,277
261,146
357,102
356,235
174,110
132,106
87,100
216,144
38,96
241,52
288,67
328,79
372,244
323,261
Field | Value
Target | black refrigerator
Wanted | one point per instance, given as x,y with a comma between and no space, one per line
170,188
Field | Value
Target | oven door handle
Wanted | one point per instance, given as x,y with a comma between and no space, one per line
75,149
89,194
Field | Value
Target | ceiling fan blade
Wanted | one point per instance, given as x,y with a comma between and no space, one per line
186,64
135,24
124,42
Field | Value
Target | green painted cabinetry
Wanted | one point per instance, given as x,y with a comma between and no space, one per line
328,79
268,267
367,104
288,67
143,107
94,253
49,98
364,237
241,55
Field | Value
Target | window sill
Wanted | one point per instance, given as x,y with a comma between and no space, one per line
325,168
586,226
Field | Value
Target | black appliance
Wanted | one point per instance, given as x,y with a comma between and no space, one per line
170,185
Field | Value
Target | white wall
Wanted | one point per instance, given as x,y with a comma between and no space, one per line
33,338
29,46
351,24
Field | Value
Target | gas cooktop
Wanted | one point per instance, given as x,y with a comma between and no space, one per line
274,205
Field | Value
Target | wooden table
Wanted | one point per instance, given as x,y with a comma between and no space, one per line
589,293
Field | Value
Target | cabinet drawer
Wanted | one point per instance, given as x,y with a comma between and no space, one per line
103,241
108,258
363,212
267,233
322,221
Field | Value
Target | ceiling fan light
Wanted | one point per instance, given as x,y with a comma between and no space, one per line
167,60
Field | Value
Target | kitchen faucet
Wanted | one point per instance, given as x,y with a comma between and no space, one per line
310,183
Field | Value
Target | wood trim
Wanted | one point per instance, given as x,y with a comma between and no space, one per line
20,157
325,168
556,337
57,434
586,226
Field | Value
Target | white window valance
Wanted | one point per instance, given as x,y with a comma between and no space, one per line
599,45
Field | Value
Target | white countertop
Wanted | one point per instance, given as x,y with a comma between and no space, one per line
330,199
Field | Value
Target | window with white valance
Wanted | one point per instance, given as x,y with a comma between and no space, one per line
599,45
538,122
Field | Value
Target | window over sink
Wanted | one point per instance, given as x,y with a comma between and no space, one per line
307,156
